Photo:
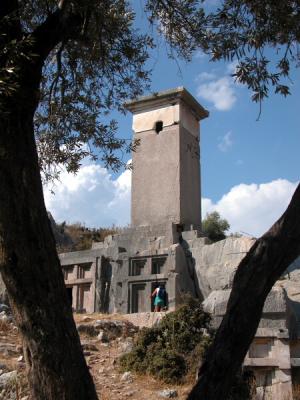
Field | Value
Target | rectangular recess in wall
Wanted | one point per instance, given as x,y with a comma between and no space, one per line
84,270
139,298
136,266
261,348
68,271
157,266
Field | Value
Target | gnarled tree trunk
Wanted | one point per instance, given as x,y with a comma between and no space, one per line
28,260
266,261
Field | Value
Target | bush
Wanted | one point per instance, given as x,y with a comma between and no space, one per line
135,360
173,350
184,329
215,227
167,365
164,351
196,356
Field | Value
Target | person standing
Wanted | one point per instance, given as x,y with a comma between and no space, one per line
159,295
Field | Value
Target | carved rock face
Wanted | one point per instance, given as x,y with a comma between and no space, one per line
216,263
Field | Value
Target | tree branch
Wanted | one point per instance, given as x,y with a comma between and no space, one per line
266,261
59,26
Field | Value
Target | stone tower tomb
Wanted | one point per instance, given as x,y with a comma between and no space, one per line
166,164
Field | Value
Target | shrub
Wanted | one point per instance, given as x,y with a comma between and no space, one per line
183,329
167,365
164,350
172,350
196,356
134,361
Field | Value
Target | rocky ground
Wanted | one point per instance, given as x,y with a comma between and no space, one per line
103,339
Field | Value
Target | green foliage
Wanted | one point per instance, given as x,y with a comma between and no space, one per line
261,37
94,59
244,31
215,227
181,23
14,53
183,329
167,365
196,356
165,351
91,75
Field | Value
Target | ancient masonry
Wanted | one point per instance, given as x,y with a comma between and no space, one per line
164,245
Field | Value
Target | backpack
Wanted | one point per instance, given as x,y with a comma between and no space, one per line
161,293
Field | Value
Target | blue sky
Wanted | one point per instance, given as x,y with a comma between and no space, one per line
249,168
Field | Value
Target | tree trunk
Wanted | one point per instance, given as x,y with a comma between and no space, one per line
29,263
266,261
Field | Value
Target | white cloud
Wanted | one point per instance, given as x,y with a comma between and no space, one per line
200,55
253,208
219,89
220,92
226,142
92,197
95,198
205,76
231,67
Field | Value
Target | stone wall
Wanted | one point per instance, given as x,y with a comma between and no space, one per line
269,355
148,319
119,286
215,264
159,199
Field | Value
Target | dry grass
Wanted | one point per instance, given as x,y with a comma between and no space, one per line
17,388
10,363
5,326
82,237
105,395
107,382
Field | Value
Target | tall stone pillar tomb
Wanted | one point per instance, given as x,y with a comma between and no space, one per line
166,165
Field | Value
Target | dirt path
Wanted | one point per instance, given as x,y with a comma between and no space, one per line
108,379
102,361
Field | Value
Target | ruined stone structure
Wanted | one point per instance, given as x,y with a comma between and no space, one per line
164,245
165,201
272,354
126,269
